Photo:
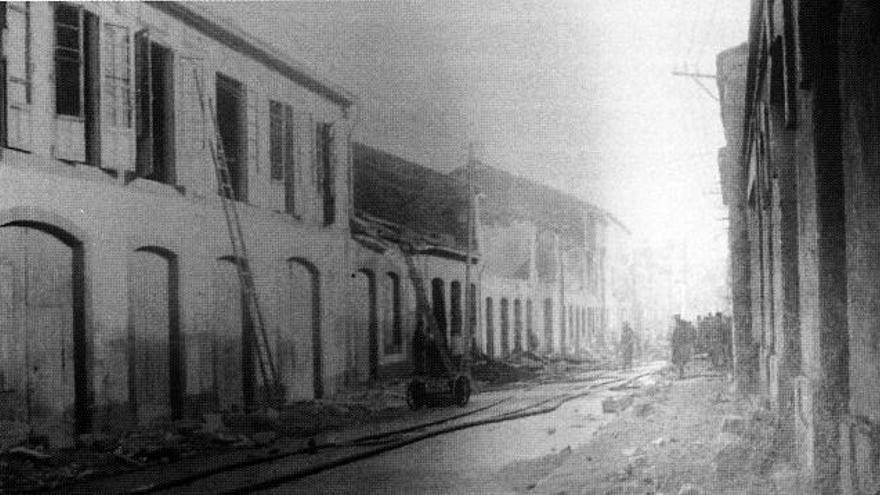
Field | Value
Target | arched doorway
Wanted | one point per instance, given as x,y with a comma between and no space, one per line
42,329
366,326
155,368
233,360
304,304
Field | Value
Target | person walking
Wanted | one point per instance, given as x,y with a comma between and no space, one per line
682,344
627,346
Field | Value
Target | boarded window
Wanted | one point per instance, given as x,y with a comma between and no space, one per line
68,60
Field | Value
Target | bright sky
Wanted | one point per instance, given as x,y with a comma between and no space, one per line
576,94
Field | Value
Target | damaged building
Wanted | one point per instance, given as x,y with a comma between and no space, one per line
555,274
801,178
118,287
550,274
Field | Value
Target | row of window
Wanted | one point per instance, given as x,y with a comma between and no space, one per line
114,88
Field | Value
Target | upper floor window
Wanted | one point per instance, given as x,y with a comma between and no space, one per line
69,60
117,76
281,148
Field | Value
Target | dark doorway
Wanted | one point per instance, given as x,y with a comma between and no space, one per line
438,301
230,119
490,328
505,328
548,325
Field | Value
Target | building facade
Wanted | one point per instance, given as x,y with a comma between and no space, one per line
120,300
801,180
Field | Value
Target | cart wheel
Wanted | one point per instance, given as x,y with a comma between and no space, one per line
462,391
415,393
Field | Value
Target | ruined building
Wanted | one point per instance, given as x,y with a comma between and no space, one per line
120,300
397,201
801,177
558,265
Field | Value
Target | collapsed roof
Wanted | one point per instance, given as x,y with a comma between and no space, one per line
409,199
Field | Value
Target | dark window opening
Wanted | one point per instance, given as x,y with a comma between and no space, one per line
230,119
281,150
69,48
455,309
324,147
155,117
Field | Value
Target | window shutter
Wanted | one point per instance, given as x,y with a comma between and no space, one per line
276,140
289,161
18,80
143,104
191,148
118,137
253,131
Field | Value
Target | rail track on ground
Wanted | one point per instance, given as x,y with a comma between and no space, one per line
273,470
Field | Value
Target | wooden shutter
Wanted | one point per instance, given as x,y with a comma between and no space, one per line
289,161
17,49
276,140
143,103
253,132
192,154
117,134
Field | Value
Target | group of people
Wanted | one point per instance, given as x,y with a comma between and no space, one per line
711,336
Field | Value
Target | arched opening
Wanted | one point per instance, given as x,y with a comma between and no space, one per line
531,338
517,326
505,328
155,354
455,307
393,336
490,328
43,371
234,364
303,333
366,326
438,303
548,325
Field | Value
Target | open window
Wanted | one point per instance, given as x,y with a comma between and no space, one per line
16,67
77,79
155,115
281,147
230,119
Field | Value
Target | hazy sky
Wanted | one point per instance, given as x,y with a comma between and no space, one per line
576,94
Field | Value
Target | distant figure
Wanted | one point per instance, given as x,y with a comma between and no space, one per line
716,346
627,345
419,348
682,344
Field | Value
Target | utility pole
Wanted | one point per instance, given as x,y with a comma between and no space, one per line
469,293
696,78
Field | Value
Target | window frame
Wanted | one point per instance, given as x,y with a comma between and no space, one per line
78,58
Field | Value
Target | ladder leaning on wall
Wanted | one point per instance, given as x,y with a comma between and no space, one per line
257,334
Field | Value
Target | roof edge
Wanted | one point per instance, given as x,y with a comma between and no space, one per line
235,38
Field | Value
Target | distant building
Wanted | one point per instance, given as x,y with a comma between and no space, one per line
553,266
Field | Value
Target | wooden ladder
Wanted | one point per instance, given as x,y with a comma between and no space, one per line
423,307
257,336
